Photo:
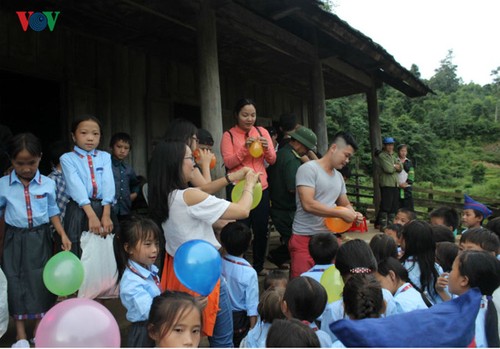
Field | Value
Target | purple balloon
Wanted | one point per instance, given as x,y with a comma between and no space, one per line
78,322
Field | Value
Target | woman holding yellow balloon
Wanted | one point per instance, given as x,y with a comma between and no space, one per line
248,145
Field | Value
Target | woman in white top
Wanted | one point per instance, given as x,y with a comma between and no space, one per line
188,213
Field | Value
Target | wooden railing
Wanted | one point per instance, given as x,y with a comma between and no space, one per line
426,199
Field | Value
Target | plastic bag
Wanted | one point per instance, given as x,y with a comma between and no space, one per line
4,306
99,266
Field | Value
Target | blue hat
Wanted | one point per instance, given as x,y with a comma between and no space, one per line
470,203
447,324
388,140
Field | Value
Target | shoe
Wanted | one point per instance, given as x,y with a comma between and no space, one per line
263,272
22,343
32,341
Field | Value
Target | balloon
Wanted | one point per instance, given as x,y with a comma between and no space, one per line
336,224
256,149
198,266
78,322
238,192
333,283
196,155
63,273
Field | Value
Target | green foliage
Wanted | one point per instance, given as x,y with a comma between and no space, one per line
452,135
478,172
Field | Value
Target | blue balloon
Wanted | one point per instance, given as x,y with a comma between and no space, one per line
198,266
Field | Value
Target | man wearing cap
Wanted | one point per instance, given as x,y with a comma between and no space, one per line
320,189
282,188
474,213
389,166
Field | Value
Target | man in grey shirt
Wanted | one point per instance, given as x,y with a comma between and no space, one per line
320,187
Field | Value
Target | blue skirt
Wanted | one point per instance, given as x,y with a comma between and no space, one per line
26,251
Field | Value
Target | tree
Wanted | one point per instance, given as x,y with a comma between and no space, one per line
446,79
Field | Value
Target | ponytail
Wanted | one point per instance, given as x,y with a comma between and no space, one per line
491,324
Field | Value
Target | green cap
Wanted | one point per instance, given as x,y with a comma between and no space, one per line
305,136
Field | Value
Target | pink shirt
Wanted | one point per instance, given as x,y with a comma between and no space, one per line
236,155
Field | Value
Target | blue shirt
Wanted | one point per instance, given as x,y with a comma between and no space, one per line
408,299
256,337
324,338
137,290
62,196
317,271
414,275
76,172
41,204
335,311
242,283
125,183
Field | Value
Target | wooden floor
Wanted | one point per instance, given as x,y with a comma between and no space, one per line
118,310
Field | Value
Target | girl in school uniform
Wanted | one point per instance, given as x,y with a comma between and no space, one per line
90,183
479,269
420,259
28,202
136,252
394,277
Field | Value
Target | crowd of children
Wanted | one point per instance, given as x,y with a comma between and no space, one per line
412,266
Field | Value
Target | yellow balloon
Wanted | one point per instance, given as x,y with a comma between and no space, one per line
333,283
238,192
256,149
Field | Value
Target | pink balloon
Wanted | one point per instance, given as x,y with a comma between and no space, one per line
78,322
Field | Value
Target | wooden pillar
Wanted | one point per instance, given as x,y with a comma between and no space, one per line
208,65
375,140
318,106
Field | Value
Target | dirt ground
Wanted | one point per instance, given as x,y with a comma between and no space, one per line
118,310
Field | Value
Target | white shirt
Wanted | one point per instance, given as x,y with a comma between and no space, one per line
186,223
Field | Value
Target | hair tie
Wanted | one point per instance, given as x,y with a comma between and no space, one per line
360,270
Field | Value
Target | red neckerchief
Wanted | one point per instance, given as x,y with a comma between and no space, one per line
136,272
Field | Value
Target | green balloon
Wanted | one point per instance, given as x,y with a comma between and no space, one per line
63,274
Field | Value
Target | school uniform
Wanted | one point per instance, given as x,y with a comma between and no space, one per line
413,269
256,337
480,336
89,180
126,183
324,338
138,287
408,299
317,271
335,311
27,242
243,285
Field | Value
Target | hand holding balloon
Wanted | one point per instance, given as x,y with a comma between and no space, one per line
256,149
337,224
204,157
240,174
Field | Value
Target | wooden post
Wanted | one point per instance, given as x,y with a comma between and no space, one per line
208,65
318,106
375,141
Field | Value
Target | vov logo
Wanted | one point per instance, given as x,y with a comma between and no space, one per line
38,21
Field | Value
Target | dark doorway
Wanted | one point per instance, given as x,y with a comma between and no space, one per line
188,112
29,104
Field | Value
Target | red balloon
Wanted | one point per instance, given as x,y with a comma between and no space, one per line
336,224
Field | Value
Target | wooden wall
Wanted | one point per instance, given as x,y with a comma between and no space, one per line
129,90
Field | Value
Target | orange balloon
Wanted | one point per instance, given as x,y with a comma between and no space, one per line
197,155
336,224
213,162
256,149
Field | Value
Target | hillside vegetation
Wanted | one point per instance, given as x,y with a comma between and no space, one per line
453,135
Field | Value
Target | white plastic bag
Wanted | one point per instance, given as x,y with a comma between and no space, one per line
4,306
99,266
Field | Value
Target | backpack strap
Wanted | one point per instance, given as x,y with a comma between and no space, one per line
426,300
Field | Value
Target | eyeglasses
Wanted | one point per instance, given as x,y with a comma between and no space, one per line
189,158
194,138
